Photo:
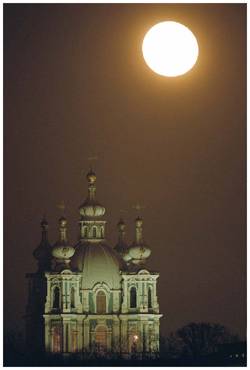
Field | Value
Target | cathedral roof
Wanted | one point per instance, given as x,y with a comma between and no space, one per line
99,263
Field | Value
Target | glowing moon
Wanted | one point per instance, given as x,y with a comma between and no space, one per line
170,49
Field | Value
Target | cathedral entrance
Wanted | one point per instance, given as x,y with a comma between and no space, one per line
56,339
101,338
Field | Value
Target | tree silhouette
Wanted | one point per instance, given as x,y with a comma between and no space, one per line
201,339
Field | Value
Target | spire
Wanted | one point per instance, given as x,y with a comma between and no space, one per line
121,231
42,252
91,177
138,230
44,227
122,247
62,229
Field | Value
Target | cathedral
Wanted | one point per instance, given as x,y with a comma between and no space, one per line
92,297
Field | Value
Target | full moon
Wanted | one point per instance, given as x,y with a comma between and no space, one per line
170,49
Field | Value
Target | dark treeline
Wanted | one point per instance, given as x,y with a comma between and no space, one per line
195,344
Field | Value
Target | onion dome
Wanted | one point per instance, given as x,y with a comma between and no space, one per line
122,247
139,251
61,250
91,207
43,252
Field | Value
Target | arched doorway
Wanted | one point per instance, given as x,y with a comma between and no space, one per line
101,338
56,339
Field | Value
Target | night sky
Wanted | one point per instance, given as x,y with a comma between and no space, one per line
76,85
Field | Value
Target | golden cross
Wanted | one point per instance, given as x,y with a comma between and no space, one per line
123,211
92,159
138,207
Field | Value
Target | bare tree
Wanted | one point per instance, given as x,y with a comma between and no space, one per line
203,338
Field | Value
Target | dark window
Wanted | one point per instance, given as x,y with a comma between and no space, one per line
149,298
133,302
56,300
72,298
101,302
94,232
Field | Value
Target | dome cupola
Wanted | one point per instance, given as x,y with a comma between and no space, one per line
139,251
91,207
92,225
61,250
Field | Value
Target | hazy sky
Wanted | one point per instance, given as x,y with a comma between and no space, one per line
76,85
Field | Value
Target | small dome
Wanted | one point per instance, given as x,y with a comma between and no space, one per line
91,177
138,222
91,209
139,253
99,263
62,251
62,221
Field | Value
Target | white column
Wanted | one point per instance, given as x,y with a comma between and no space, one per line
65,336
47,335
79,334
116,335
156,334
124,335
86,335
85,300
146,338
125,296
140,296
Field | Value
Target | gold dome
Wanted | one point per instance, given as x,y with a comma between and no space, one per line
91,177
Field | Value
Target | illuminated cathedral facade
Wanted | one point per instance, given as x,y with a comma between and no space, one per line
92,297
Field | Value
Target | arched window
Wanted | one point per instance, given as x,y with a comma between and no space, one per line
133,303
72,298
101,232
56,297
94,232
149,298
100,302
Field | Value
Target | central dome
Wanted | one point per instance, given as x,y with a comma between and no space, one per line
98,263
